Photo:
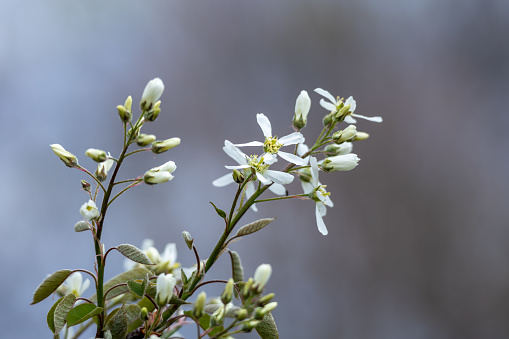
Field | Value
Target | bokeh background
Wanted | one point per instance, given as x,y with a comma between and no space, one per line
418,238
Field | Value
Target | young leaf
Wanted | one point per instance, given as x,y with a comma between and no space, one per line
51,315
117,324
189,239
81,226
62,310
134,253
49,285
253,227
267,328
220,212
81,313
133,274
237,269
136,288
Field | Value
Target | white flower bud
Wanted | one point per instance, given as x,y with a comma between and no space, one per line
333,149
361,136
101,173
261,276
89,210
302,106
145,139
68,158
151,94
345,162
160,174
164,288
96,154
345,135
162,146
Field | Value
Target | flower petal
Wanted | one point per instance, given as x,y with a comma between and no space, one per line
223,181
302,149
252,143
353,104
327,105
237,167
234,153
262,179
264,123
292,139
277,189
269,158
319,221
326,94
250,189
374,119
314,170
278,177
350,120
294,159
307,187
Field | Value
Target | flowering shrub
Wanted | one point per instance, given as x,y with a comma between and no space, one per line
152,298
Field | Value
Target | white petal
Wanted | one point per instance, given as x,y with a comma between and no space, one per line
302,149
307,187
328,202
314,170
252,143
170,253
264,123
234,153
292,139
250,189
237,167
84,286
374,119
326,94
294,159
269,158
353,104
327,105
262,179
223,181
321,209
319,221
277,189
279,177
350,120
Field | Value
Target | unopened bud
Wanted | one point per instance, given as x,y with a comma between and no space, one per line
327,120
266,299
96,154
227,294
144,314
302,106
199,305
261,277
238,177
334,149
345,135
123,113
154,112
242,314
162,146
248,326
246,291
188,239
85,185
145,139
128,103
345,162
258,313
269,307
68,158
361,136
151,94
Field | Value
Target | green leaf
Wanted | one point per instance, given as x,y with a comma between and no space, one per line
220,212
253,227
51,315
177,301
237,269
189,239
62,310
81,226
137,323
117,324
267,328
136,273
49,285
136,288
134,253
133,312
81,313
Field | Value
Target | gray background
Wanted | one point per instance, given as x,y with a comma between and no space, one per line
417,244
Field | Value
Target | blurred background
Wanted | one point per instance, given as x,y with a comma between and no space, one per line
418,238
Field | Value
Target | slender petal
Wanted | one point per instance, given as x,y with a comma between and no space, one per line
327,105
262,179
319,220
223,181
326,94
237,167
294,159
353,104
292,139
350,120
278,177
170,253
277,189
314,171
234,153
252,143
264,123
307,187
374,119
250,189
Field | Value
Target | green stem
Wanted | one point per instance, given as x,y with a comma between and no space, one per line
283,198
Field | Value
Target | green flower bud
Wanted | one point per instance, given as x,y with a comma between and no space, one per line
123,113
145,139
246,291
327,120
242,314
96,154
334,149
345,135
238,177
85,185
128,103
154,112
265,299
68,158
162,146
144,314
345,162
258,313
261,277
199,305
227,294
361,136
342,113
248,326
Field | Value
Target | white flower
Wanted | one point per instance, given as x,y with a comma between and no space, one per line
89,210
345,162
164,288
271,145
160,174
335,104
263,174
262,275
302,106
151,94
74,284
68,158
250,186
318,194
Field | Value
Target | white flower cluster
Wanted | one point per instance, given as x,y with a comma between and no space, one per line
337,150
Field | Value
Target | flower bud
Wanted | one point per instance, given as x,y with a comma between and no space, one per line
144,314
123,113
89,210
334,149
345,162
96,154
241,314
327,120
246,291
361,136
68,158
261,277
151,94
85,185
162,146
164,288
258,313
266,299
345,135
199,305
238,177
302,106
227,294
248,326
161,174
154,112
145,139
269,307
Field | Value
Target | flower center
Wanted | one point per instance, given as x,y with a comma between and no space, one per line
323,193
271,145
257,164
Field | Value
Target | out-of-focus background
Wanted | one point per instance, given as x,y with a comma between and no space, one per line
418,238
